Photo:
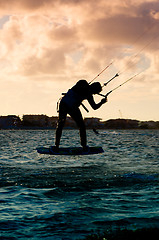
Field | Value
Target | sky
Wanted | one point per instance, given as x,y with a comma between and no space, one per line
46,46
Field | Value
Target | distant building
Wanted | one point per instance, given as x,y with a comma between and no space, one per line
52,122
149,125
70,123
93,123
35,120
10,121
121,124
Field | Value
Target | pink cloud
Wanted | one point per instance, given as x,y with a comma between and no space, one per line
43,35
24,4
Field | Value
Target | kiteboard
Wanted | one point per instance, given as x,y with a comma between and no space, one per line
70,150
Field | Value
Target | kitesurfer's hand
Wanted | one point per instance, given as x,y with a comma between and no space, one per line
104,100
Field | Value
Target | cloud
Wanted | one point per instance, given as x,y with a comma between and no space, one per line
50,61
19,5
55,37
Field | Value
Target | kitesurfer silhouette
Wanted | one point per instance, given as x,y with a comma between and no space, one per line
70,103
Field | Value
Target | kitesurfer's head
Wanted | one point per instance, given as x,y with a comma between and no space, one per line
96,87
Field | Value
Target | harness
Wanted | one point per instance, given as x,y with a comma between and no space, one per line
59,100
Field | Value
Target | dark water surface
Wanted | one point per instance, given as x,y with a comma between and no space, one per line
68,197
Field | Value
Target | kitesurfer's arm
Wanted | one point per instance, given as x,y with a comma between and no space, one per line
96,105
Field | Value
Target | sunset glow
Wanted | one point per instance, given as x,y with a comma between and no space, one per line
46,46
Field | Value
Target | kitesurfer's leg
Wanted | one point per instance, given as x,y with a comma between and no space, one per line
60,124
77,116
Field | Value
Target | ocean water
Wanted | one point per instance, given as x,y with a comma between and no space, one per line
69,197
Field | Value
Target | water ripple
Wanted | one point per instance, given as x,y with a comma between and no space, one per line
67,197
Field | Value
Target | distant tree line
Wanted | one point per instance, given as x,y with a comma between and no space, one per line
43,121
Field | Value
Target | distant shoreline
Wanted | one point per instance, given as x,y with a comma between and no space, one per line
43,122
70,128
